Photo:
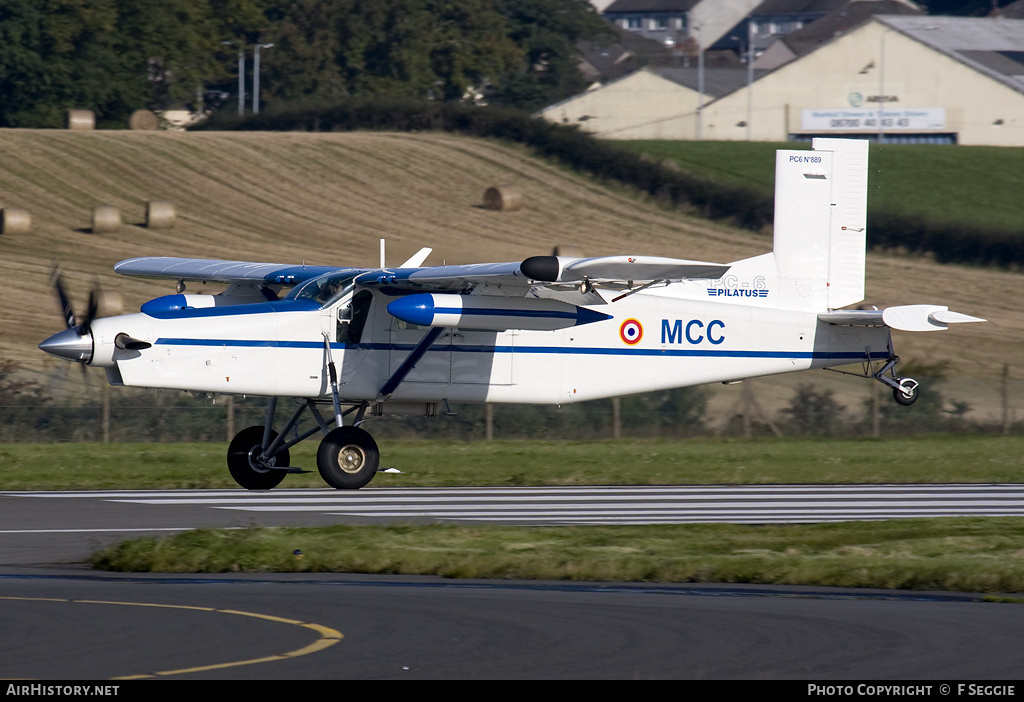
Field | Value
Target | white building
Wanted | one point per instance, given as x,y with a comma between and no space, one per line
942,79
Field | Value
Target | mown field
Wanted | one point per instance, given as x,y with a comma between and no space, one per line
329,198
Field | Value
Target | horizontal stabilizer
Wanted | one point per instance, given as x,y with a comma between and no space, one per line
903,318
560,269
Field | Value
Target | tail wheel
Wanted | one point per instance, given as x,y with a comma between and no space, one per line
907,393
347,458
245,465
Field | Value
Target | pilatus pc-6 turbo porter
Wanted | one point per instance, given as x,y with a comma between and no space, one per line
348,344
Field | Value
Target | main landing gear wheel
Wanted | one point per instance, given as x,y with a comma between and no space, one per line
347,458
906,394
245,466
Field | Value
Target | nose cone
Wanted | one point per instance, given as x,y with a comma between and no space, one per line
69,345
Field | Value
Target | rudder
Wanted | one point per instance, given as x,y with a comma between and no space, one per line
820,224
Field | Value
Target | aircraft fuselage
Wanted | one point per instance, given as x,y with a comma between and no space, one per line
656,342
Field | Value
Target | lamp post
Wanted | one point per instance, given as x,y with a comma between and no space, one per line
241,76
750,77
256,77
881,87
750,74
241,81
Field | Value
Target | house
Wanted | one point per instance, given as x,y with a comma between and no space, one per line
1015,10
679,23
602,62
783,48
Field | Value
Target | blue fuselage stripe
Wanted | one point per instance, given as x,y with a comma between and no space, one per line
582,351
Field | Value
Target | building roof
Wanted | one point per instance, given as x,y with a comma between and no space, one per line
717,81
850,14
1015,10
651,5
796,7
991,46
604,61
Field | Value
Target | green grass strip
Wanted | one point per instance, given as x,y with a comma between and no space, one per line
961,554
925,459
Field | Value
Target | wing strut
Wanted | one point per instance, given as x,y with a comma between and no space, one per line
409,363
333,372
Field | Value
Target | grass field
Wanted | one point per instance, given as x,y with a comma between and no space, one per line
926,459
974,555
973,185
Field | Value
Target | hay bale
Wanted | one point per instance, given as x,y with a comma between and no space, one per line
14,221
105,218
159,214
81,120
503,198
568,251
143,120
108,303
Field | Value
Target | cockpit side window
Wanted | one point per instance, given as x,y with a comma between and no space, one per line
352,318
325,289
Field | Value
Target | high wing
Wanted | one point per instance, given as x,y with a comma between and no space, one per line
619,269
514,279
217,271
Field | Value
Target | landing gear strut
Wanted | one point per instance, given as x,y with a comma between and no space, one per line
247,464
904,390
348,456
258,457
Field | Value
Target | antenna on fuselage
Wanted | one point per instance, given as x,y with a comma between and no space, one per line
382,254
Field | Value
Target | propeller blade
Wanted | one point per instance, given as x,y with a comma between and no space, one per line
62,298
94,304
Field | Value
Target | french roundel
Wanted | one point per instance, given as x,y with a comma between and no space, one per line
631,332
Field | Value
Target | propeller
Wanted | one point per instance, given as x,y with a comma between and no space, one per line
62,298
75,343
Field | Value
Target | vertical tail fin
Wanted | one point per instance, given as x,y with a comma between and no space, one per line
820,223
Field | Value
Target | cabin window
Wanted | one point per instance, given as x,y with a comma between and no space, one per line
352,318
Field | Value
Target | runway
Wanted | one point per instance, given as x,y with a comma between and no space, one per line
752,504
64,622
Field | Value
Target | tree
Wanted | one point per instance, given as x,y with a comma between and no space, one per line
523,52
813,412
548,31
108,56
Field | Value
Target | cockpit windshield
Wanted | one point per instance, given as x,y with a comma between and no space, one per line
323,290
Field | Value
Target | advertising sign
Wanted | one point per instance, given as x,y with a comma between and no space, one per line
894,119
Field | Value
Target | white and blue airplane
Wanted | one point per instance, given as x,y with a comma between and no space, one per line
355,343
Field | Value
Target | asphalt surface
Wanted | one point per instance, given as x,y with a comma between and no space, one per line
61,621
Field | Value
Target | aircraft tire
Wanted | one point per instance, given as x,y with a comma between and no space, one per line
347,458
906,395
243,468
